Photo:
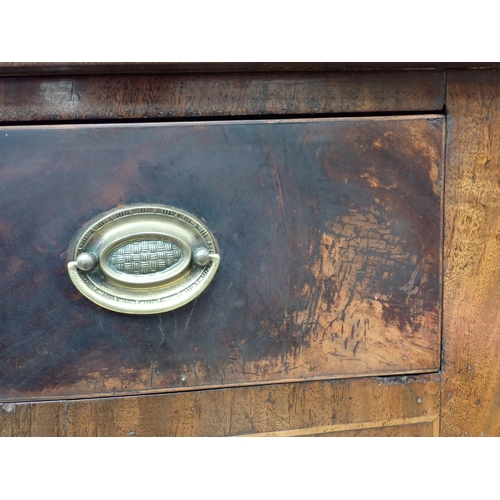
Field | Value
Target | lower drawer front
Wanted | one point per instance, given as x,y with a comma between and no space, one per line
329,233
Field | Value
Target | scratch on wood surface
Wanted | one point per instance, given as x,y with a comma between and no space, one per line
190,314
100,320
161,330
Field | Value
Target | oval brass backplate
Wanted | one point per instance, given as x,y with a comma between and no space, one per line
143,259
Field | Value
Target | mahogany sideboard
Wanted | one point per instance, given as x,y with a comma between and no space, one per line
355,210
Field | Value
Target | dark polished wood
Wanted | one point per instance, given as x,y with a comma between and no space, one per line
56,344
172,96
75,68
329,234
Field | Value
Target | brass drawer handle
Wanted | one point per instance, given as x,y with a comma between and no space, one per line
143,259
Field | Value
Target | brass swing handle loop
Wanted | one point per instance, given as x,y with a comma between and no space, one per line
143,259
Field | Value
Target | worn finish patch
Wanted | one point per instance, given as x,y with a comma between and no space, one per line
329,234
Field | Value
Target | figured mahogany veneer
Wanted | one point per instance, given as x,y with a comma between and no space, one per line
329,233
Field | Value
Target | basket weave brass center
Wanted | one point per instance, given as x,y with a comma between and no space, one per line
145,257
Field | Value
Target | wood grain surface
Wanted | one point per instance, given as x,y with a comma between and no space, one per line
471,324
411,428
330,237
109,97
76,68
282,409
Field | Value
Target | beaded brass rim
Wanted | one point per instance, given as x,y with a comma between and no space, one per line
143,259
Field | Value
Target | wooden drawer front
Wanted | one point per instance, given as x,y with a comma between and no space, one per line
329,233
